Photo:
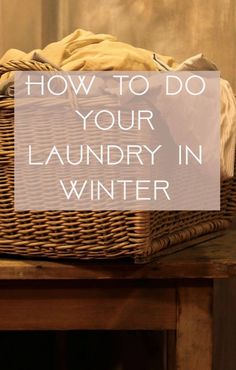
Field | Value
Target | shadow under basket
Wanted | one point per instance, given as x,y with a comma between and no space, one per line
141,235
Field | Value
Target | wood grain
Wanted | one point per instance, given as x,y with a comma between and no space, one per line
225,324
170,350
87,305
194,336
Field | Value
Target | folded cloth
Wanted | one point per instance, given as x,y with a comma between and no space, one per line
84,50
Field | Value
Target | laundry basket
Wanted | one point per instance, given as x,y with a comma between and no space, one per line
140,235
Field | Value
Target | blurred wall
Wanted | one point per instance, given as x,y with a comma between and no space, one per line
179,28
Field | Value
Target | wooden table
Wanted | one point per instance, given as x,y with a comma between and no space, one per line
175,294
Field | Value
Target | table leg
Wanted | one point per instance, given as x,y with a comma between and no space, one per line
170,350
194,337
61,350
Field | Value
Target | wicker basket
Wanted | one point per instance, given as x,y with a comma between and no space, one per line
93,235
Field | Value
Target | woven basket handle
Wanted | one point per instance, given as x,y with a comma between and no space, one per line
23,65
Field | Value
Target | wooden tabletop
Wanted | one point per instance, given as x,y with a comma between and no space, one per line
215,258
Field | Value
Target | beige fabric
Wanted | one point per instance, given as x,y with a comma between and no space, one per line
228,129
228,112
83,50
